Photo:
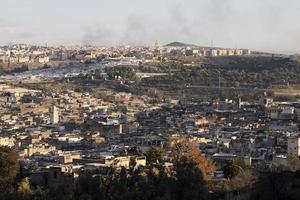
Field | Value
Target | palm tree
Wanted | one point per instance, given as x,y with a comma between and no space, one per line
232,169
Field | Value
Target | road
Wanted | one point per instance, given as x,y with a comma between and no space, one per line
214,87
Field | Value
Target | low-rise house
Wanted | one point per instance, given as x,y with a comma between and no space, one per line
7,141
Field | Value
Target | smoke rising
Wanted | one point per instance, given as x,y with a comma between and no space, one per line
270,25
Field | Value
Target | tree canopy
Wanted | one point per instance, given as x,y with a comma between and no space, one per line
154,155
9,166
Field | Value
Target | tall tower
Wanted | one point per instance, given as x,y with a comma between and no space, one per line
53,114
156,44
239,102
120,129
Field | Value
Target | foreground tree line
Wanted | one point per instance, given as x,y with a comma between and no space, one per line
188,179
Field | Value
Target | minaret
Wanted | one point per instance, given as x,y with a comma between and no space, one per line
156,44
240,102
120,129
53,114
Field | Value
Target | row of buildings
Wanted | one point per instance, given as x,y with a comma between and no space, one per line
26,54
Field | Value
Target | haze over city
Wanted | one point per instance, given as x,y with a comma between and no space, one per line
149,100
268,25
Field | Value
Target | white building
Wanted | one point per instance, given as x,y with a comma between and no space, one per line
294,146
54,114
43,59
25,59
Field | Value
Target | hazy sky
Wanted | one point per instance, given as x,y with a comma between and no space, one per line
255,24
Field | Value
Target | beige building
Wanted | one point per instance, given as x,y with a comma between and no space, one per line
24,59
43,59
6,141
294,146
40,149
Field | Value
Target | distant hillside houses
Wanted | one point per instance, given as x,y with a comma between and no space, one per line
203,52
23,57
26,54
177,49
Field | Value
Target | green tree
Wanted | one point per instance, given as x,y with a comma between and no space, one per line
154,155
40,194
277,185
9,166
232,169
189,181
92,186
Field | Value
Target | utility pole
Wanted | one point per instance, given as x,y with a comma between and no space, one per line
219,80
219,89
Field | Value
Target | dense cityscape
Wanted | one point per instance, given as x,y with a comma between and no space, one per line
101,113
163,121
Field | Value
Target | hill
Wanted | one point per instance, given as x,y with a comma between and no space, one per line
180,44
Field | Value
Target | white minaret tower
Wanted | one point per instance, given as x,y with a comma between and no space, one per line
53,114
